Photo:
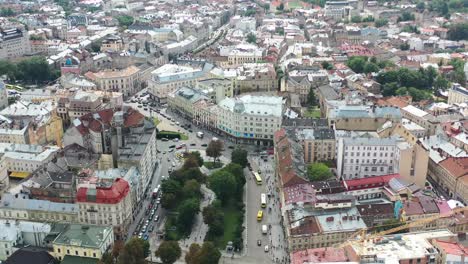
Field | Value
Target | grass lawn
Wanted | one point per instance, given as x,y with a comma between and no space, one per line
231,218
156,121
210,165
183,136
313,113
294,5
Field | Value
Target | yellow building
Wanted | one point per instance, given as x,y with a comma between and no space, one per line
83,241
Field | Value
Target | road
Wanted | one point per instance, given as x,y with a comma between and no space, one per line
272,218
253,253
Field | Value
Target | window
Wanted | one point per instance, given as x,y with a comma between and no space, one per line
76,252
94,255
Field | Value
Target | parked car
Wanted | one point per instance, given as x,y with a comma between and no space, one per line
259,242
204,145
172,146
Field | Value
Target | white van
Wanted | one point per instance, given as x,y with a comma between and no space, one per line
264,229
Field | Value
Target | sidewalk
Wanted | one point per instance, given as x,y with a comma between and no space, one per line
199,228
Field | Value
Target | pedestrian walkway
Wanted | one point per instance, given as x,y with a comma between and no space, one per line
199,228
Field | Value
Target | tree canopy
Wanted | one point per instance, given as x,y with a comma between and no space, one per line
251,38
168,252
318,172
214,149
31,70
133,252
239,156
125,20
206,254
458,31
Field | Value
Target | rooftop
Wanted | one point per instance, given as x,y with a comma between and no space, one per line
342,221
415,111
320,255
88,236
104,194
23,203
254,105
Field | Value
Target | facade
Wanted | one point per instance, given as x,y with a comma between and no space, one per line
318,144
457,94
362,118
420,117
453,177
105,203
250,119
216,88
256,77
22,208
44,125
167,78
127,81
3,95
84,241
242,53
14,43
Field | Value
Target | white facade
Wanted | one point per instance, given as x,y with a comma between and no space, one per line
250,118
366,157
457,94
14,43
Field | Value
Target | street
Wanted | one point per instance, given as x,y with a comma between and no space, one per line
252,253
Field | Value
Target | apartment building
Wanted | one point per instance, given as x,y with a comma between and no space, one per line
3,95
318,144
255,77
15,234
216,88
420,117
14,43
329,228
127,81
362,118
170,77
83,241
13,131
184,100
452,174
242,53
105,203
45,126
364,156
126,134
23,208
112,44
77,105
457,94
250,119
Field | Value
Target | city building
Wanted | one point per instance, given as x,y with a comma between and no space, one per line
250,119
362,118
255,77
450,251
105,203
242,53
23,208
84,241
457,94
216,88
44,125
401,248
3,95
127,81
14,43
318,144
169,77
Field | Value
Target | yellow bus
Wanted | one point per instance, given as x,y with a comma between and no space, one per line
263,200
259,215
258,178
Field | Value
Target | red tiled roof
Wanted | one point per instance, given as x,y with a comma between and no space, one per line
458,167
371,182
133,118
412,208
308,225
452,248
318,255
285,164
112,195
304,193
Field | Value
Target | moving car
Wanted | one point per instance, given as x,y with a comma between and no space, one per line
259,242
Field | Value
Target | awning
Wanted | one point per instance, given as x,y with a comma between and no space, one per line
19,174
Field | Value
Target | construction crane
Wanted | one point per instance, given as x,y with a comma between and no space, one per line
361,236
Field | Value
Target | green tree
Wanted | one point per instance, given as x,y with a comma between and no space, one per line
209,254
311,98
239,156
191,161
133,252
327,66
223,185
214,149
106,259
191,189
125,20
171,191
406,16
213,216
458,32
238,173
368,19
7,12
191,256
280,7
381,22
169,252
371,67
389,89
404,46
318,172
356,19
95,46
357,63
420,6
251,38
187,211
441,83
